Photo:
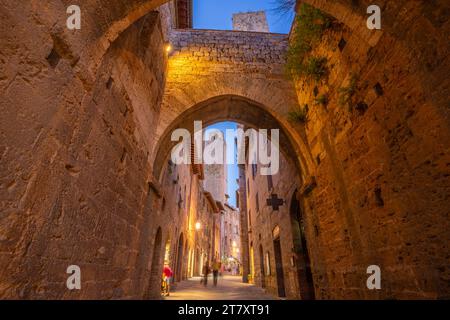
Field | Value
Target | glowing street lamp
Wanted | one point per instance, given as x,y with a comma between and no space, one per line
168,48
198,226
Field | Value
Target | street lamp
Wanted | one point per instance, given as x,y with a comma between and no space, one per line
198,226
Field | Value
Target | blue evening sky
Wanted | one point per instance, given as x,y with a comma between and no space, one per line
217,14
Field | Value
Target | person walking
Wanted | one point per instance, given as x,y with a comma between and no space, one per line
215,268
205,274
167,276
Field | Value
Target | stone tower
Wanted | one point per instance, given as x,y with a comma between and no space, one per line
251,21
215,180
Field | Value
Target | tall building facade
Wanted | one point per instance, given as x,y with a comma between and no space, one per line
216,174
231,241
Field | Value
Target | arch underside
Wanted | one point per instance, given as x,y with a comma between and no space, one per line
222,108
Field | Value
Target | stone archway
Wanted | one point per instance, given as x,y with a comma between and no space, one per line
262,274
179,260
300,250
156,268
279,272
229,108
259,78
251,264
185,261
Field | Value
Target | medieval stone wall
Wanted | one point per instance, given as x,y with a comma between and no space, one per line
234,50
230,233
263,219
378,168
74,166
205,64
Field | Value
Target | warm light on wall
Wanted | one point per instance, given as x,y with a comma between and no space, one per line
198,226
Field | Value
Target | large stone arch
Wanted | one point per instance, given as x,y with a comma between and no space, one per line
229,108
227,68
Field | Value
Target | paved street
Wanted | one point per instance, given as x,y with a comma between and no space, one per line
228,288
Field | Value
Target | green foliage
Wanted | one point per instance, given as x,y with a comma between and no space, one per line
346,93
322,100
309,27
315,67
299,115
312,67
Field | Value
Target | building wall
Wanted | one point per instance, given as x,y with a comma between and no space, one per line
246,259
230,233
187,205
77,162
379,171
262,220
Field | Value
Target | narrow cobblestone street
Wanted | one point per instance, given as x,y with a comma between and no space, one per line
228,288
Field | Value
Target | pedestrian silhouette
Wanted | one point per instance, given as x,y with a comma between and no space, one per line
205,274
216,267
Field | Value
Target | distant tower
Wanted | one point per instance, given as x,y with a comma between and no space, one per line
250,21
215,180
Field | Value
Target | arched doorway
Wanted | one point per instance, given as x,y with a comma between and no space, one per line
302,260
179,262
197,263
261,266
190,271
252,265
156,269
279,262
185,261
